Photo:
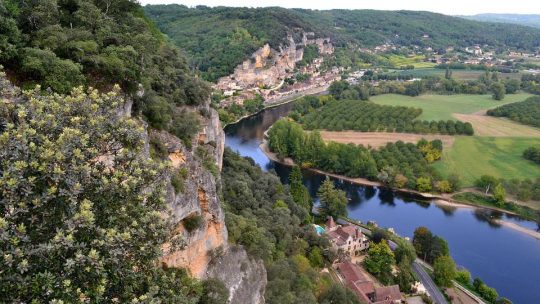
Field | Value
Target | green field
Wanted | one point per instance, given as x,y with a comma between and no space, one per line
437,107
400,60
428,70
472,157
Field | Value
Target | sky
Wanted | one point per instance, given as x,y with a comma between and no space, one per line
453,7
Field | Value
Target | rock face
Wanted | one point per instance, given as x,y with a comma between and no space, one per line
246,278
268,67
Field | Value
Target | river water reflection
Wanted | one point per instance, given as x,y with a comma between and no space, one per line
504,258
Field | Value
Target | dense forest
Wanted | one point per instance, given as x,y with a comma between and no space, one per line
525,112
63,44
217,39
400,165
263,215
366,116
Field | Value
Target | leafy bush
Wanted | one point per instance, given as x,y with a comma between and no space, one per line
532,154
193,222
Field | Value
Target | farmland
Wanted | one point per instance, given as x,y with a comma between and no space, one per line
502,157
424,71
495,149
441,107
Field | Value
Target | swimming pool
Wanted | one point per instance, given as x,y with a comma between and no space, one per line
320,230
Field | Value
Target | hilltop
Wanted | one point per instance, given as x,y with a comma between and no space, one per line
218,39
521,19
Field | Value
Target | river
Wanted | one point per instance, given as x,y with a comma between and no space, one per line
502,257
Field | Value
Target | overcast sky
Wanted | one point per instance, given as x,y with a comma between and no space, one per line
449,7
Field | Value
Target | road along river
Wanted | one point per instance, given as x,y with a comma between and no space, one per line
503,257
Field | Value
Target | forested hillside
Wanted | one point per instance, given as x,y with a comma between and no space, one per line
62,44
217,39
522,19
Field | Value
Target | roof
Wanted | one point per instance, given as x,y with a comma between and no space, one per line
330,223
359,282
356,280
342,233
387,294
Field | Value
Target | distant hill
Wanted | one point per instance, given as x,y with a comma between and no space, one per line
527,20
217,39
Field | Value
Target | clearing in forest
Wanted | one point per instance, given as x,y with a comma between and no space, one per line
441,107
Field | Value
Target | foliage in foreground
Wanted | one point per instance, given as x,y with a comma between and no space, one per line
81,211
263,216
64,44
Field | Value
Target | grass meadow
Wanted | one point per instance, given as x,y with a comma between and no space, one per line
441,107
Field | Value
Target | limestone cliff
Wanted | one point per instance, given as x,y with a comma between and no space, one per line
204,251
268,67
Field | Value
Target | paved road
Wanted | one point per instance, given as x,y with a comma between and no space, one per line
432,289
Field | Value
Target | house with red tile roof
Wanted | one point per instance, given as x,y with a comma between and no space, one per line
348,238
358,281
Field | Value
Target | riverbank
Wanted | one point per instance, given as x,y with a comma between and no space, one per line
442,200
282,101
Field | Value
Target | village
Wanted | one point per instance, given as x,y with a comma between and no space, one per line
275,75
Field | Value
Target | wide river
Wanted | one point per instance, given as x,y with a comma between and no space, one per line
504,258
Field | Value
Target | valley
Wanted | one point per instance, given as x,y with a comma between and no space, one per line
251,155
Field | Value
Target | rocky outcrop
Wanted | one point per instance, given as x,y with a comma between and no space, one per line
196,250
245,277
268,67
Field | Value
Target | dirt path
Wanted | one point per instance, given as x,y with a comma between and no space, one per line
484,125
379,139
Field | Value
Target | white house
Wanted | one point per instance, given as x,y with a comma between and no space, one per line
348,238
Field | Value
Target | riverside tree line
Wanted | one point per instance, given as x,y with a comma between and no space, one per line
396,164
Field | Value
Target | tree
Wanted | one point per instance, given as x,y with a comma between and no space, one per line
499,194
455,182
463,277
405,277
379,261
339,294
333,201
443,186
215,292
423,184
315,257
92,223
486,183
422,241
444,270
448,73
498,91
405,250
438,248
299,192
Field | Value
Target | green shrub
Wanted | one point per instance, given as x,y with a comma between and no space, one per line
193,222
178,179
158,150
